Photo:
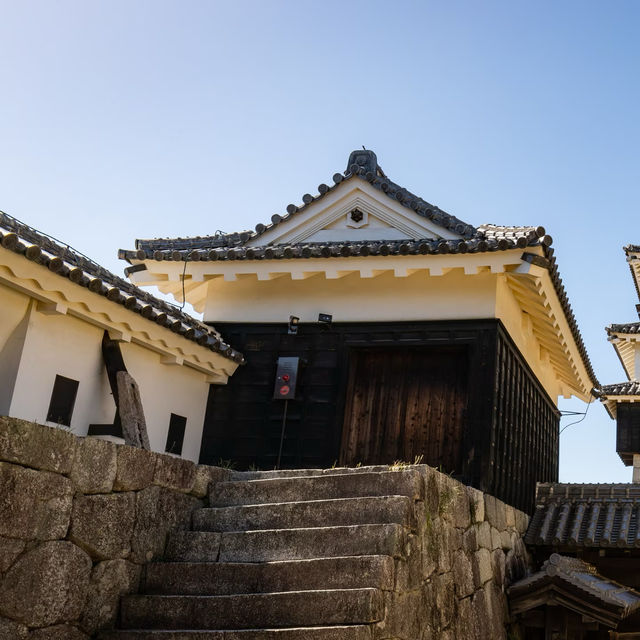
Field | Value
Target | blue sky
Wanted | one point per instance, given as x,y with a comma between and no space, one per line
122,119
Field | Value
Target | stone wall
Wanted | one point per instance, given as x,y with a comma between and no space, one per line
79,517
471,549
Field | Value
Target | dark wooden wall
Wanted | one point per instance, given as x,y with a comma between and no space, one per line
508,437
406,403
628,431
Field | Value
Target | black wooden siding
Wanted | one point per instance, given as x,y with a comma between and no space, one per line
510,435
628,431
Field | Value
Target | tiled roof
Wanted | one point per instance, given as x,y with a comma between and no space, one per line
633,249
69,263
569,516
584,589
364,165
628,388
629,327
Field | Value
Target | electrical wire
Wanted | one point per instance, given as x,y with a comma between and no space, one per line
584,415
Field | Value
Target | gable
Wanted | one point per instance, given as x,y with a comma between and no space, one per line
354,211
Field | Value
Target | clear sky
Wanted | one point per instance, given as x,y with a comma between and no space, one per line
121,120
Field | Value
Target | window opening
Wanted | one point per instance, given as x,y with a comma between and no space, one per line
63,399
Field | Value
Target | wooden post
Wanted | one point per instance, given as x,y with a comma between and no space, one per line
134,427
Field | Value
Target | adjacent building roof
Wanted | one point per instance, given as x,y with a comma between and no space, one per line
627,328
571,516
577,586
66,262
363,165
632,252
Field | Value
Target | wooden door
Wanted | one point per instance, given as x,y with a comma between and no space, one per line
404,403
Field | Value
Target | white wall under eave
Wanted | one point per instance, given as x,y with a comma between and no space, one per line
518,326
384,298
65,345
13,326
167,389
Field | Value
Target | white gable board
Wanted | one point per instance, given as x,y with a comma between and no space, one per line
353,211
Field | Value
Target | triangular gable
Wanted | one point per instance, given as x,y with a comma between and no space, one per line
354,211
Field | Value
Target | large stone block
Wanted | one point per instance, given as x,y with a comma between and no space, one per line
445,599
483,535
174,473
482,567
470,540
495,512
522,522
10,549
103,524
135,468
463,575
94,466
10,630
47,585
34,445
206,475
476,504
158,511
59,632
498,564
33,504
466,624
109,580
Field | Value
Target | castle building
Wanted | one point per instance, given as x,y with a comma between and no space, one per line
409,334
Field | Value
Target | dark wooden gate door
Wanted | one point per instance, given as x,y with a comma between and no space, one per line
403,403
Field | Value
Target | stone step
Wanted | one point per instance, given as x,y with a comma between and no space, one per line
351,632
299,473
204,578
404,482
253,611
287,544
313,513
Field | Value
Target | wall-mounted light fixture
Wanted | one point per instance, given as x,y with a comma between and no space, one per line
325,320
293,325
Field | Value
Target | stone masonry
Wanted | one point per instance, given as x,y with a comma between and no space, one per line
93,534
79,518
400,552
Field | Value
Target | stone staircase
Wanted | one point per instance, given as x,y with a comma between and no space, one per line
297,555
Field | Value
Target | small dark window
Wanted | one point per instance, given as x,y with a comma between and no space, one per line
177,425
63,398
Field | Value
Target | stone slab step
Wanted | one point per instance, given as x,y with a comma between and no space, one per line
351,632
253,611
204,578
404,482
287,544
299,473
313,513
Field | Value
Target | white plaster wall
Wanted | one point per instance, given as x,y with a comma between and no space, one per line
518,327
62,345
167,389
353,299
13,310
68,346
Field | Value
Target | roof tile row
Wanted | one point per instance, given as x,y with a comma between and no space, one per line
69,263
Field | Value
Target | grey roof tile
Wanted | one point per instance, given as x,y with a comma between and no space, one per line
69,263
609,600
570,516
628,327
627,388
